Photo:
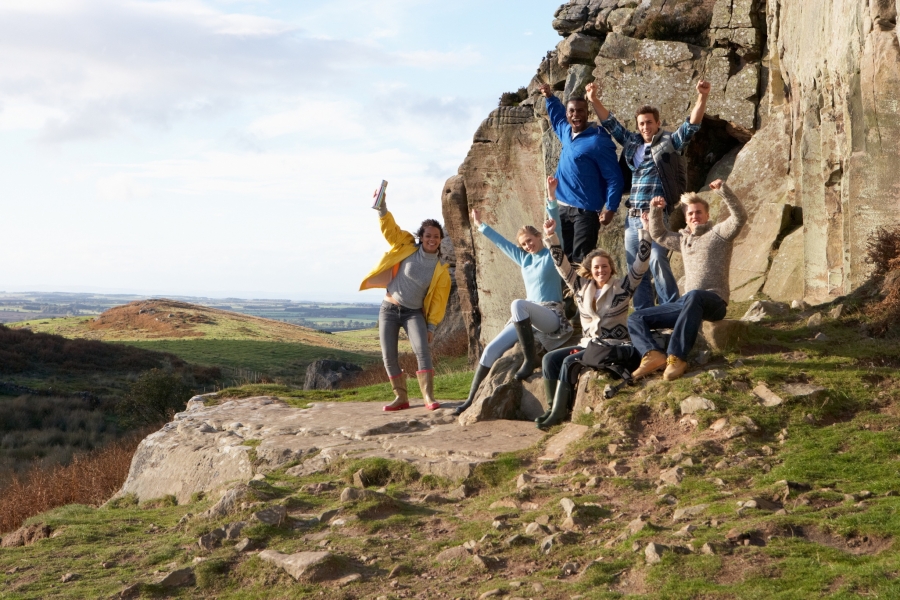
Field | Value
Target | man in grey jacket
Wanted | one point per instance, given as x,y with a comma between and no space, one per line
706,250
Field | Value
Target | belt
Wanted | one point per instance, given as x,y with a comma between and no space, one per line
634,212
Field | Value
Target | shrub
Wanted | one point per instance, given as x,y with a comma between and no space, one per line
513,98
91,478
155,398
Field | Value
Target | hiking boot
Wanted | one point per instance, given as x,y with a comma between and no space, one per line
675,368
480,373
526,341
401,400
652,361
426,384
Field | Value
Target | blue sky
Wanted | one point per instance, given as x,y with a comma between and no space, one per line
230,147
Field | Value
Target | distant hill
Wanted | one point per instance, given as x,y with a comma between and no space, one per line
163,319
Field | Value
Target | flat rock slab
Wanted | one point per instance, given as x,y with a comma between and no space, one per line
305,566
557,445
206,447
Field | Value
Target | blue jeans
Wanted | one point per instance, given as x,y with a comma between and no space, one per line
666,286
684,316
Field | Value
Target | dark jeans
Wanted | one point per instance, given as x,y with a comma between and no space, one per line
579,231
390,319
684,316
558,364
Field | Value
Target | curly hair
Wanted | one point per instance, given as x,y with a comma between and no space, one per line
429,223
584,269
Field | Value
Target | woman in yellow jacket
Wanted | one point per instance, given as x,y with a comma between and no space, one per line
417,288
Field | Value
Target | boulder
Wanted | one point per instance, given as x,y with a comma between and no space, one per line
577,48
727,334
26,535
784,282
305,566
693,404
327,374
178,578
754,247
500,393
576,81
534,401
190,455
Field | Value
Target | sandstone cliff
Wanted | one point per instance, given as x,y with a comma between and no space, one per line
802,122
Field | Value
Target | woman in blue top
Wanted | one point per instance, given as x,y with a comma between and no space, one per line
542,311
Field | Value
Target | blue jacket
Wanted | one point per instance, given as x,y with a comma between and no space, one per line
542,281
588,171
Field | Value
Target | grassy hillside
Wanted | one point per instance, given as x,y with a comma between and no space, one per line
247,348
803,504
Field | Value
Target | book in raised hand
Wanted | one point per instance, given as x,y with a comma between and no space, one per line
379,195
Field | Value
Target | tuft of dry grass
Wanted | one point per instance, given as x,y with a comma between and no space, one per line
883,253
91,478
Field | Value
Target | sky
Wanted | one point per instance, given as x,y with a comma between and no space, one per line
230,147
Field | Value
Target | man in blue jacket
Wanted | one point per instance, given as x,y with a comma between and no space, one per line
590,180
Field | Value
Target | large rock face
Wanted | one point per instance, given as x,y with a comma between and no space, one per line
802,121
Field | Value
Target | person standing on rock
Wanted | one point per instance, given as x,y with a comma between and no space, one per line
542,313
417,289
656,160
706,251
590,180
602,304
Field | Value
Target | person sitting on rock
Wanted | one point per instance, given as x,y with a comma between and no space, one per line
542,312
706,251
590,180
603,306
417,289
655,158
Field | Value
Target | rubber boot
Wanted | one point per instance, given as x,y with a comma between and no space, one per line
401,399
526,341
426,384
480,373
549,392
560,406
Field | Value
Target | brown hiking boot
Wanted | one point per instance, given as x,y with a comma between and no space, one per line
675,368
652,361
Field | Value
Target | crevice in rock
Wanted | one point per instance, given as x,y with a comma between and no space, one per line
707,148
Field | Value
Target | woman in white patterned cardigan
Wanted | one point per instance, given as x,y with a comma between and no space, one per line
602,302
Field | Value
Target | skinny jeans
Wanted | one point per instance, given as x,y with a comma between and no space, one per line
390,319
542,318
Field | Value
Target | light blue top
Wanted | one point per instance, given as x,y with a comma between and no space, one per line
542,280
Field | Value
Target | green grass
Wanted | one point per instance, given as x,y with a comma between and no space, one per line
272,360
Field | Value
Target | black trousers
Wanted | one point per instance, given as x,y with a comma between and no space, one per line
579,232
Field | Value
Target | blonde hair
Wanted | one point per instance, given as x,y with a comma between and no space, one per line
693,198
584,269
526,229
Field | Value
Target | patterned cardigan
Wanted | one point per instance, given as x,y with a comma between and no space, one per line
607,317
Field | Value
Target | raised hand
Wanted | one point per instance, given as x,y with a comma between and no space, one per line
703,87
546,90
476,217
658,202
717,184
592,92
552,183
549,227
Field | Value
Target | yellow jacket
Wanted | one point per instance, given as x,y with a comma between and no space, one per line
403,245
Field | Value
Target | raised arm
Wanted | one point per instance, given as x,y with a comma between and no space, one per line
389,228
516,254
593,95
730,227
703,88
556,111
563,267
637,269
552,206
658,230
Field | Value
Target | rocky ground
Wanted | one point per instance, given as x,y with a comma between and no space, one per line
768,472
